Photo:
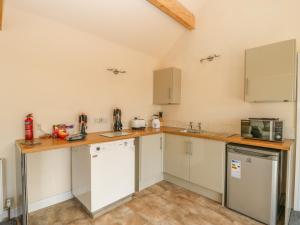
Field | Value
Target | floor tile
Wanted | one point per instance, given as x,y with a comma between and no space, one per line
160,204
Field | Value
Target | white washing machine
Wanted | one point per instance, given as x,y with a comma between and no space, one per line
103,174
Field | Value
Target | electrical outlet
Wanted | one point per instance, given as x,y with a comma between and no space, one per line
9,203
99,120
39,126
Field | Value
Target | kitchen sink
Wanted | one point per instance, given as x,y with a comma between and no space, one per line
205,132
115,134
194,131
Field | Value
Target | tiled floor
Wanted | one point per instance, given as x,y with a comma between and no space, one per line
295,218
161,204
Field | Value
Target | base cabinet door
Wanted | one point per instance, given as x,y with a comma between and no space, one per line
207,164
176,159
151,160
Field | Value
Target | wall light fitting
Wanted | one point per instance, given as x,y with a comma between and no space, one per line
116,71
210,58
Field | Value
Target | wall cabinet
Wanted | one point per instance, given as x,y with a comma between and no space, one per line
150,160
167,86
270,73
199,161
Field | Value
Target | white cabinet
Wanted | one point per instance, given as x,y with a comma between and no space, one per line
207,164
270,72
167,86
196,160
176,159
150,160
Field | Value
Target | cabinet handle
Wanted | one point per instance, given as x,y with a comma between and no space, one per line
160,143
188,150
170,93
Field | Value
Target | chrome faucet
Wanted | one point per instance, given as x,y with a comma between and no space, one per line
191,125
191,129
199,126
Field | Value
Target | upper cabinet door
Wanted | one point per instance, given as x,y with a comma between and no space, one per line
270,72
167,86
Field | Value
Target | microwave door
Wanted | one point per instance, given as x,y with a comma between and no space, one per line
271,131
256,132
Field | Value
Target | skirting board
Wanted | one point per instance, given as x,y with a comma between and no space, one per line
68,195
38,205
147,183
111,206
195,188
13,213
50,201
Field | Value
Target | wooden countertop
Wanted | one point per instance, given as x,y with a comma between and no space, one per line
93,138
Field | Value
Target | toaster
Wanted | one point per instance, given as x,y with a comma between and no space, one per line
138,124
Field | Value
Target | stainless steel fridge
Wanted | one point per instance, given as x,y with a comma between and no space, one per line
253,182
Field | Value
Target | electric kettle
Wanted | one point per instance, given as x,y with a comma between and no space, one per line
155,122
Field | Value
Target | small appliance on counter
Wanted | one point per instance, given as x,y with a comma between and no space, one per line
76,137
83,119
117,117
267,129
138,124
155,122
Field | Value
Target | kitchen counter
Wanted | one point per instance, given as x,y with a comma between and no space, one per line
93,138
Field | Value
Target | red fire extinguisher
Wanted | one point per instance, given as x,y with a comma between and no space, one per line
29,128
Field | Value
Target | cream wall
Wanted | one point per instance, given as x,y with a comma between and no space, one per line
213,92
57,72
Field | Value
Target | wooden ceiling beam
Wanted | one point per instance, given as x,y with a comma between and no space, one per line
177,11
1,13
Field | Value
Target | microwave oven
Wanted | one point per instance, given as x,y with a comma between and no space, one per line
267,129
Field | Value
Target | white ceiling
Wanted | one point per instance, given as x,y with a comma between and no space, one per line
134,23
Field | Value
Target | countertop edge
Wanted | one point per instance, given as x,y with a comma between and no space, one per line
93,138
